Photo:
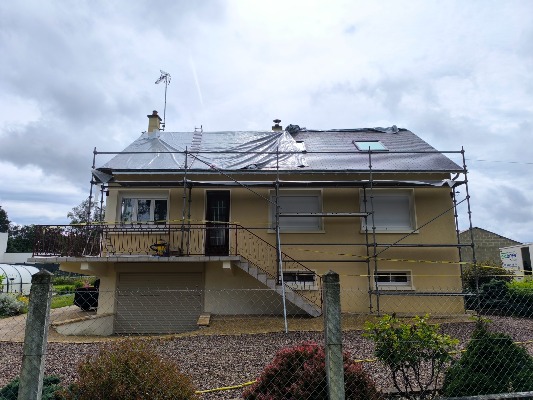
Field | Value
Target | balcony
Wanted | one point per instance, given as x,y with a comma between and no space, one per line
173,242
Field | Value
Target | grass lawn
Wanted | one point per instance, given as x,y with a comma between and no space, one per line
63,300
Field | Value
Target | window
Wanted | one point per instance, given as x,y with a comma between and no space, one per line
393,280
374,145
297,201
394,210
302,280
137,209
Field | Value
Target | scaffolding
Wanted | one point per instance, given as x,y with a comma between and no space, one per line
367,187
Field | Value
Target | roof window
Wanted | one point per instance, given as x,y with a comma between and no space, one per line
373,145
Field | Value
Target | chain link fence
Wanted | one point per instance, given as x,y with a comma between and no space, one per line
231,343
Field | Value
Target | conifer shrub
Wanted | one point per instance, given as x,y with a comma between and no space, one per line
130,369
300,373
51,389
491,364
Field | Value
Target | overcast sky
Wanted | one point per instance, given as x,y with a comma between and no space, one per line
80,74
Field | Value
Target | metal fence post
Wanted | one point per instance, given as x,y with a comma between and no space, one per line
333,336
35,338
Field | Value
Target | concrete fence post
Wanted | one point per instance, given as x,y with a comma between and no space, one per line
35,338
333,336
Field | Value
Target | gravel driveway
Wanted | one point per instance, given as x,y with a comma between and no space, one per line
225,360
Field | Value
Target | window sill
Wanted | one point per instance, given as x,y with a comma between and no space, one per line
298,232
399,231
396,288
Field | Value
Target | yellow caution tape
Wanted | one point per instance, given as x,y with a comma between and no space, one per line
226,388
364,257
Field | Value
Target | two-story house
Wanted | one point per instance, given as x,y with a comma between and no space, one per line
244,222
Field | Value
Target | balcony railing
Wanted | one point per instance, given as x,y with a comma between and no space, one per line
167,240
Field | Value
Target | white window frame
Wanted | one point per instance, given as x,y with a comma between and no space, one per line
383,193
135,196
295,229
300,284
391,285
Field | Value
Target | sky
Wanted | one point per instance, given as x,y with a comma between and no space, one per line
76,75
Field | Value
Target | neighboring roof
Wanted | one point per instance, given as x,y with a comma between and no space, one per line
300,150
485,230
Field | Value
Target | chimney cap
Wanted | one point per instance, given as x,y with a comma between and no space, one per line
154,115
277,126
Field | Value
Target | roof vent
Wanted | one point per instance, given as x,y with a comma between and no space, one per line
277,126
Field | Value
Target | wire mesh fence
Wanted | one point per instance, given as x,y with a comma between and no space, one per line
231,343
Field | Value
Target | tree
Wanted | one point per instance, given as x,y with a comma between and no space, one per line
21,238
78,215
4,221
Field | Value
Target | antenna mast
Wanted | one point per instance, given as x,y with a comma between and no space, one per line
165,76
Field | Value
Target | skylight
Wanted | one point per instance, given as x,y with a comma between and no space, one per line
374,145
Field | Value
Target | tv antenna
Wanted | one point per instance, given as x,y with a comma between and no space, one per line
165,76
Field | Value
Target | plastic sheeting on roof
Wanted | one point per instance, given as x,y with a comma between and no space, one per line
303,151
221,150
293,129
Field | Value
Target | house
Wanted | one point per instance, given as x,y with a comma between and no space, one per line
486,244
203,222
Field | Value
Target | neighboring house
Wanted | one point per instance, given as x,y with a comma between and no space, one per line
487,245
192,226
11,258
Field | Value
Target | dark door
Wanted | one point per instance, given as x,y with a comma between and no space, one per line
217,216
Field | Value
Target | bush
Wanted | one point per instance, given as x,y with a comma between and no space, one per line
130,369
10,305
504,298
64,289
300,373
416,354
483,272
491,364
50,391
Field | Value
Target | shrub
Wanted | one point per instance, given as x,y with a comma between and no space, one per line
300,373
521,298
64,289
504,298
483,272
10,306
491,364
416,354
130,369
50,391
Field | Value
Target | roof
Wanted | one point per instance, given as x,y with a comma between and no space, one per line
300,150
474,228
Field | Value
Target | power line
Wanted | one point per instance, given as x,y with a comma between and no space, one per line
506,162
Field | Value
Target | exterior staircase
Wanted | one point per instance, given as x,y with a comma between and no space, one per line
297,298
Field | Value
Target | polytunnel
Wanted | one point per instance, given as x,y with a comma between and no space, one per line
16,278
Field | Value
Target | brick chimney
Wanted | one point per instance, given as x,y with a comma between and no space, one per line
154,122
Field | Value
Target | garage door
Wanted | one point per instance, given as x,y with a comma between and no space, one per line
158,303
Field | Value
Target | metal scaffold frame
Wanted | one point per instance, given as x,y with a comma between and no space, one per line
368,186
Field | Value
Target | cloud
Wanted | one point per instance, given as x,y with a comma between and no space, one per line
79,77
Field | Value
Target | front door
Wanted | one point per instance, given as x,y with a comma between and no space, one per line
217,216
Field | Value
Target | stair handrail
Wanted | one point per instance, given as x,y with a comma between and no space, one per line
285,258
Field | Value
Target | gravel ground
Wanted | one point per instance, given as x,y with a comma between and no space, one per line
225,360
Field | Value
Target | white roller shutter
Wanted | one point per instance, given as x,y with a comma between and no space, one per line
158,302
